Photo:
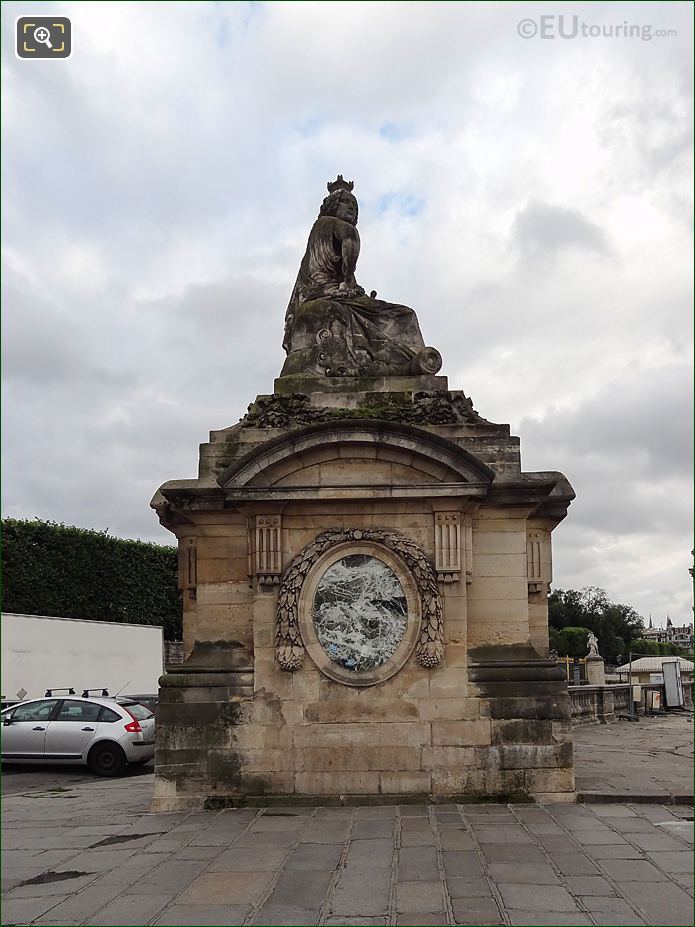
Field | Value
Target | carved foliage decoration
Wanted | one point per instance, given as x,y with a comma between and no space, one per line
288,643
436,407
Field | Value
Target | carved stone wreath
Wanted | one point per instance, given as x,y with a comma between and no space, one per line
289,648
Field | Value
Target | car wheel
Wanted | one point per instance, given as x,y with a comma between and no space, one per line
107,759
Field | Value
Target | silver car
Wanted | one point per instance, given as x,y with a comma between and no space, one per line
100,732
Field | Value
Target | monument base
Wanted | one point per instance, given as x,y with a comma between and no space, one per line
505,737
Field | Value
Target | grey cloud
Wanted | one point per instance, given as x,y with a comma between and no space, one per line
541,230
168,203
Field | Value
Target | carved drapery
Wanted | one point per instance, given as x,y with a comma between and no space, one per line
289,648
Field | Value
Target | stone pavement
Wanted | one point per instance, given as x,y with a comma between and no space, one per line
651,759
91,854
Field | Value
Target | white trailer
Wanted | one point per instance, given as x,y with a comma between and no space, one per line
40,653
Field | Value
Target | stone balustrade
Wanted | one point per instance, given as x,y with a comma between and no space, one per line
605,703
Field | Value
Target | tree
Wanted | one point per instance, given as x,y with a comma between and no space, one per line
642,648
615,625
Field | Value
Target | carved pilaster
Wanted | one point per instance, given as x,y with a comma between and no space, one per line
268,549
188,567
447,546
468,546
537,562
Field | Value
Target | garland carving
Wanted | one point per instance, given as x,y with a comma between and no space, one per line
289,648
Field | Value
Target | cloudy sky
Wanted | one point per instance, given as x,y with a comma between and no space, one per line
530,197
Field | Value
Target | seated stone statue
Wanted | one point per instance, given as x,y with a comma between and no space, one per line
332,328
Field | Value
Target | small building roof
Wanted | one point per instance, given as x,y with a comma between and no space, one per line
654,664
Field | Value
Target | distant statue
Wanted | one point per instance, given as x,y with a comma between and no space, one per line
332,327
592,641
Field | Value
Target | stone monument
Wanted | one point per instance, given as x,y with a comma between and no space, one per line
595,667
364,569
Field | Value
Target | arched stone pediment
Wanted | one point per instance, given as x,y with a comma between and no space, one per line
349,453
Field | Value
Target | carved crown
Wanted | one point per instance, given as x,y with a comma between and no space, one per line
340,184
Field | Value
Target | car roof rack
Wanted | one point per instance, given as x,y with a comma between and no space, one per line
104,692
69,690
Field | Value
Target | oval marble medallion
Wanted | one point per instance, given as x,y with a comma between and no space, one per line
360,612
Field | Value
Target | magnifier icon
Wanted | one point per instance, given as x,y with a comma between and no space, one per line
43,36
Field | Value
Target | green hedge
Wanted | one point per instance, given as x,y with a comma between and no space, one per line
54,569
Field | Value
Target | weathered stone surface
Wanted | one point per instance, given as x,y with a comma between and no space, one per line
361,451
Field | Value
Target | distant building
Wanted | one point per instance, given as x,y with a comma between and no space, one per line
650,669
681,636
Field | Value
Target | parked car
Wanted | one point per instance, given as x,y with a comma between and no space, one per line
105,734
149,701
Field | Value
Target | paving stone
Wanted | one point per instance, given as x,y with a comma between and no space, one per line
46,889
271,914
663,902
326,832
368,854
531,898
214,915
85,904
537,918
416,920
575,863
196,852
588,885
130,910
375,811
171,875
267,839
632,825
417,864
608,919
462,864
455,838
613,811
608,904
543,827
238,859
656,812
97,862
631,870
377,828
609,851
598,838
412,811
657,841
531,873
239,888
136,867
501,833
412,825
315,856
332,811
300,889
24,910
475,910
473,887
556,843
350,921
419,897
362,891
685,880
499,853
418,838
217,837
269,822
